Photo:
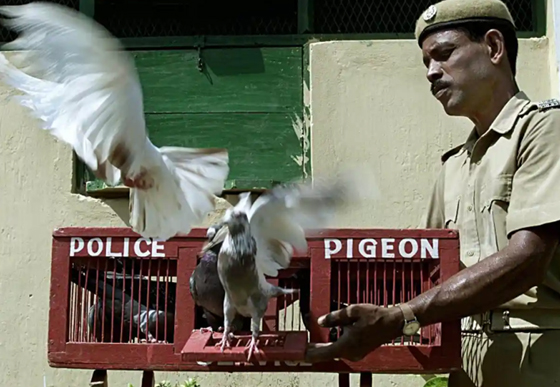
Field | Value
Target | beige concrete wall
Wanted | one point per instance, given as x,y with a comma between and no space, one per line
370,104
553,65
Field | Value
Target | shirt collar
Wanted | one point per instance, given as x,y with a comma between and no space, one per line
505,120
507,117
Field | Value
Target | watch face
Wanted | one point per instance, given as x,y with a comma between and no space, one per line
411,328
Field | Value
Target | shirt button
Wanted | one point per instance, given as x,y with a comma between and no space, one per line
470,253
469,208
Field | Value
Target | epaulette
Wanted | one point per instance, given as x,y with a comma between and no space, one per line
552,103
451,152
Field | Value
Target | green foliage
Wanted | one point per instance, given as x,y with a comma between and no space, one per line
190,382
437,382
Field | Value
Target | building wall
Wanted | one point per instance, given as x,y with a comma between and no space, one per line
552,51
370,104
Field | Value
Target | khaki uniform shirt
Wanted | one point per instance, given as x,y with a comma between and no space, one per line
503,181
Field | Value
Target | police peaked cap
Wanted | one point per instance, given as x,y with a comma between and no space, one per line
452,13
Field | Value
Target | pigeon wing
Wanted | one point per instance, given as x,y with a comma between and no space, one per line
89,94
281,218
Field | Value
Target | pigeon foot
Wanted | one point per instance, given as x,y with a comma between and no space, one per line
140,181
225,342
252,347
151,339
206,330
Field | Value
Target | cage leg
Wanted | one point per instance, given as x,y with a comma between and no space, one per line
366,379
148,379
99,379
343,380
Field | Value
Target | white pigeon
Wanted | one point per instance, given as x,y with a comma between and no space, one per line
261,239
86,92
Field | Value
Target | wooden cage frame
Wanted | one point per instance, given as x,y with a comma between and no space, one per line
443,356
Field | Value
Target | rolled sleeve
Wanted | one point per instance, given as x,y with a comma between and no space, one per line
535,195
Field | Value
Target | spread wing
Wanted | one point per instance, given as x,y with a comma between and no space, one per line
84,87
281,218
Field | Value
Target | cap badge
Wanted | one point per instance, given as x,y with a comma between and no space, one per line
430,13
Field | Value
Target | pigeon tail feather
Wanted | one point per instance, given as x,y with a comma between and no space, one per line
181,192
275,291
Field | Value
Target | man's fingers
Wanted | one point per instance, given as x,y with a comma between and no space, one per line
345,344
340,317
318,352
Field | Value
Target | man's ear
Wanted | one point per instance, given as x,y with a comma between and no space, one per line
496,45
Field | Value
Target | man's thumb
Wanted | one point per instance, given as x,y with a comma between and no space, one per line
338,318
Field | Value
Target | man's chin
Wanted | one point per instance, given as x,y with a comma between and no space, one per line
450,108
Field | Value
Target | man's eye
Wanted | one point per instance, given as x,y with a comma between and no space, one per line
444,55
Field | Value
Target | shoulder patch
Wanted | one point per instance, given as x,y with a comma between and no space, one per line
451,152
552,103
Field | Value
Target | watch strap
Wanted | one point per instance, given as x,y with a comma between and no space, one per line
407,312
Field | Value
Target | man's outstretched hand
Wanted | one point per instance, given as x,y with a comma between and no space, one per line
366,327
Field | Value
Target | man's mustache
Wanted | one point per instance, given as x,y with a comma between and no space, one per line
437,86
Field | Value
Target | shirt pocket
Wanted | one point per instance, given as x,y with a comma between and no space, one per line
494,202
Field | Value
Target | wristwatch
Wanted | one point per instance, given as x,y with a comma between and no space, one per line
411,324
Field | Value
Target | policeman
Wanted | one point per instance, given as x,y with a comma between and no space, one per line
501,191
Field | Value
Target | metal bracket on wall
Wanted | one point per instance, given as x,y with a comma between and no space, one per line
199,45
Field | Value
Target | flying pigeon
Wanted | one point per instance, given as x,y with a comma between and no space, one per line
83,87
205,286
261,240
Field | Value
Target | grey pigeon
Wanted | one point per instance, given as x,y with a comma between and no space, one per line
261,240
205,286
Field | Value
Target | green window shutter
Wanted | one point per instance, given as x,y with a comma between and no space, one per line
244,99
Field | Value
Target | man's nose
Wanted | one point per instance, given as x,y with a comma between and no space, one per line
434,72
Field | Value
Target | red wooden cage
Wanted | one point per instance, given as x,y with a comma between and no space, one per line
93,329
